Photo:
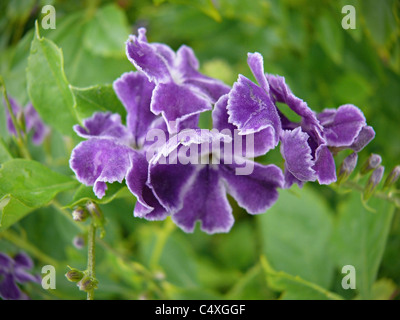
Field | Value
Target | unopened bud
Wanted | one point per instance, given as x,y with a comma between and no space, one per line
371,163
74,275
78,242
87,283
347,167
373,181
392,177
80,214
21,120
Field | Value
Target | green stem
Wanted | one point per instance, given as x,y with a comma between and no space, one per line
91,257
169,226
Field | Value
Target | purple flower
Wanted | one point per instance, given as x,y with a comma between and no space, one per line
181,91
33,122
197,190
13,271
305,146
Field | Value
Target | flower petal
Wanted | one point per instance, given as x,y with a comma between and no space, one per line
34,122
16,108
147,205
103,125
365,136
177,103
297,154
135,92
8,288
263,141
6,263
325,165
263,182
98,161
342,126
23,260
256,64
251,110
206,201
149,58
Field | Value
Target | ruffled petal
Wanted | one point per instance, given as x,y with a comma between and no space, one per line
325,165
256,64
135,92
98,161
263,141
147,205
251,110
297,154
177,103
149,58
103,125
22,260
290,179
262,181
342,126
205,201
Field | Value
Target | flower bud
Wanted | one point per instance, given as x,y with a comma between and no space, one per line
87,283
74,275
80,214
373,181
371,163
392,177
78,242
347,167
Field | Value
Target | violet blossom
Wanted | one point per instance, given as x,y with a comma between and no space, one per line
14,271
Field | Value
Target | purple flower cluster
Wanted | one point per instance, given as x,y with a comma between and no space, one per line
13,271
166,97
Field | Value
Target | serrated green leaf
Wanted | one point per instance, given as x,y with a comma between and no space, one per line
360,238
48,87
295,235
26,185
294,287
107,33
100,98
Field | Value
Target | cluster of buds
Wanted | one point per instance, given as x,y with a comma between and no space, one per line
84,281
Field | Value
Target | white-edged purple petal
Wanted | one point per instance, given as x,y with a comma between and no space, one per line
342,126
324,165
103,125
256,64
256,191
297,154
134,90
147,205
365,136
205,201
97,161
177,103
251,110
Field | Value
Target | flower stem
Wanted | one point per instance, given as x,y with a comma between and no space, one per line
91,257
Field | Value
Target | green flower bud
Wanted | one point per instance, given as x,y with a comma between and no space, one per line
74,275
347,167
80,214
392,177
373,181
87,283
371,163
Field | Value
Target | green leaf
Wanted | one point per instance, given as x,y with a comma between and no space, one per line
5,154
294,287
295,235
360,238
107,33
97,98
25,185
383,289
84,194
48,87
330,36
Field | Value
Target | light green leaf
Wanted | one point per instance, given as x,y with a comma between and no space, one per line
25,185
100,98
295,235
360,239
294,287
107,33
48,87
5,154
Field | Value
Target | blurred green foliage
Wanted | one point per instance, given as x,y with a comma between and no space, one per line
297,249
